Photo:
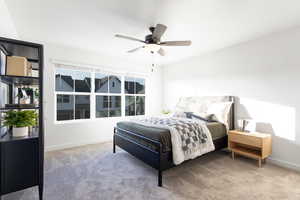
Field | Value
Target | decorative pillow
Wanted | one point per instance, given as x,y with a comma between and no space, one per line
179,114
220,111
203,116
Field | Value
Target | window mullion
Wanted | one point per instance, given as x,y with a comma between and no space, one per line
108,95
74,103
92,97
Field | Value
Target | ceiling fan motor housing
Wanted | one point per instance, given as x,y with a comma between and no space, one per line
150,40
152,28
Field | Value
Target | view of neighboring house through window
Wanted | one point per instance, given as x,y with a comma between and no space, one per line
71,88
108,95
134,96
74,89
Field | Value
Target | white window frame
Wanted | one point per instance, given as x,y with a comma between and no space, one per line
135,95
109,94
93,94
74,94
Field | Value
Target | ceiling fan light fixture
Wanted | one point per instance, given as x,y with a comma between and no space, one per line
152,47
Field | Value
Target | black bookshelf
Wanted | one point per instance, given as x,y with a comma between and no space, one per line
22,158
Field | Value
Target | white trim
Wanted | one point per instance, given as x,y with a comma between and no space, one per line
98,68
73,93
72,121
284,164
89,120
72,145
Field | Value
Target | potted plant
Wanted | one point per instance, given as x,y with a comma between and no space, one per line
20,121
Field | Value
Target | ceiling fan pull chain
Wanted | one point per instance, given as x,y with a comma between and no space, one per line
153,62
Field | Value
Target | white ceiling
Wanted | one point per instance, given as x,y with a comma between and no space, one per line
210,24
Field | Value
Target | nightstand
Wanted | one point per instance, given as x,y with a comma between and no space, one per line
254,145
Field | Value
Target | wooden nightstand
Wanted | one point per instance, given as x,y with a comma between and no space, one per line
254,145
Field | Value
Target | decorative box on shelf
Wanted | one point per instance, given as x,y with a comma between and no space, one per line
18,66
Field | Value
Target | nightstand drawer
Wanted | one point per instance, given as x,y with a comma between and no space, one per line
245,139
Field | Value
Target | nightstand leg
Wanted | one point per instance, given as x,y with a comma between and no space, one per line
259,162
232,155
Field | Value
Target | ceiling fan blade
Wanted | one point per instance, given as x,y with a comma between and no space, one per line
129,38
176,43
159,31
161,52
134,50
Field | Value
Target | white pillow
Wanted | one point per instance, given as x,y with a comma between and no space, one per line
179,114
220,111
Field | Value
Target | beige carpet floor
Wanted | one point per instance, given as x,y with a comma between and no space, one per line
92,172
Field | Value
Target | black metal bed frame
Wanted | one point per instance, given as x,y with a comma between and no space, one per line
158,159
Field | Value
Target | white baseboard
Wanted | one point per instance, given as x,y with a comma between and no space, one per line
284,164
71,145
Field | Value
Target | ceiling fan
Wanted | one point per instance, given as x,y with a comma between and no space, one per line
152,41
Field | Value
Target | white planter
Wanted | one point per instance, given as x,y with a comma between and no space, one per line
20,132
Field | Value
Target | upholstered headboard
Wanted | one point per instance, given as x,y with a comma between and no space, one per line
200,103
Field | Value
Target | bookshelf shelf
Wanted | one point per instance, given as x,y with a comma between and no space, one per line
20,80
8,136
19,108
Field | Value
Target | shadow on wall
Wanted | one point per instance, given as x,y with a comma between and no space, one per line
279,120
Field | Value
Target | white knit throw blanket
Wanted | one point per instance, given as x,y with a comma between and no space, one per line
190,138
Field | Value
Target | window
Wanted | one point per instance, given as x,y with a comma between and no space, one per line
82,106
64,80
134,96
115,106
101,106
75,88
108,101
115,84
65,111
140,105
70,102
101,83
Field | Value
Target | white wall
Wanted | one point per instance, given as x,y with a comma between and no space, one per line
263,73
59,136
7,28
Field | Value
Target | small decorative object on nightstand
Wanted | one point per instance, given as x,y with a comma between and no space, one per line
254,145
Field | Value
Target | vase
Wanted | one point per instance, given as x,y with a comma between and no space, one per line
20,131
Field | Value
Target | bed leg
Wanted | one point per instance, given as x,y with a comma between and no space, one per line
159,178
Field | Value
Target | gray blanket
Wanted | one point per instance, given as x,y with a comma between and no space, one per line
190,138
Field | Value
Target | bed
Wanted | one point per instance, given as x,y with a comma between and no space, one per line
153,145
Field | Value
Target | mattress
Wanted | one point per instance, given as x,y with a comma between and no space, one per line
217,130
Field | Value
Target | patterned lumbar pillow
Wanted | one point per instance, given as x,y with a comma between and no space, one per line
203,116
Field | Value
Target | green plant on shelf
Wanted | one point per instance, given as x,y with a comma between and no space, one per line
24,118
